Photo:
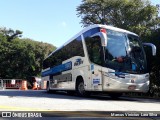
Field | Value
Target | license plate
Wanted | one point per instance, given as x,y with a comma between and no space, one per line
132,87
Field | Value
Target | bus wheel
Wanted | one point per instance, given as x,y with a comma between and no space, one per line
115,95
81,90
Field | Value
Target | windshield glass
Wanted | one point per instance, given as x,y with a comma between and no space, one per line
124,53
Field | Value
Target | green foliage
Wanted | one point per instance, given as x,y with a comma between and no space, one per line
21,58
155,71
134,15
10,34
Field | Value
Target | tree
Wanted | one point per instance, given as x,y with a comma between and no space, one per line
21,58
134,15
10,34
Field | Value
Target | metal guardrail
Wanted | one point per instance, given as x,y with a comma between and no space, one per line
10,83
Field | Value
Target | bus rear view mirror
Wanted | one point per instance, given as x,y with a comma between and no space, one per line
103,37
152,46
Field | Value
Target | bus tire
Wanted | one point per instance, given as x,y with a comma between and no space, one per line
80,90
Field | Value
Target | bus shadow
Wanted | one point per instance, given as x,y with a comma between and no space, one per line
64,95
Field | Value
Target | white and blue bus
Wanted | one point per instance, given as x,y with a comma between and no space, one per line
100,58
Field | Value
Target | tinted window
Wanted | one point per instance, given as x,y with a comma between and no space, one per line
74,48
94,49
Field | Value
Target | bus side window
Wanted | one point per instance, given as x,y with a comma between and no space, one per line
94,49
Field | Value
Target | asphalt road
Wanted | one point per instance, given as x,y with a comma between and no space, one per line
61,104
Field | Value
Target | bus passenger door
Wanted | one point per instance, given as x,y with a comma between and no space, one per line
96,78
96,58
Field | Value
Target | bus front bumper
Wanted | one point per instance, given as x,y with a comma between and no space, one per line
113,85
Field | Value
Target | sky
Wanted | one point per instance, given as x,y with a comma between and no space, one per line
49,21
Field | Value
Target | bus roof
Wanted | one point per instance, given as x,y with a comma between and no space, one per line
94,26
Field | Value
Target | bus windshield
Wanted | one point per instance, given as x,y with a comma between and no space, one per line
124,53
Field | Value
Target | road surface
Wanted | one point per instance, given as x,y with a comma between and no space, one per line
40,100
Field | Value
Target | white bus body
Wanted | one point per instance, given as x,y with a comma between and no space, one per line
99,58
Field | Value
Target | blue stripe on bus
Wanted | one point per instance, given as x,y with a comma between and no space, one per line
57,69
91,32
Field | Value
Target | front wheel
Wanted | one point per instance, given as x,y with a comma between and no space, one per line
81,90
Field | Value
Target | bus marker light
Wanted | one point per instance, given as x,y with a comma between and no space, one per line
103,30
